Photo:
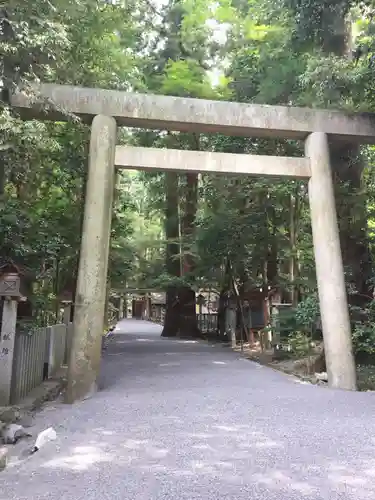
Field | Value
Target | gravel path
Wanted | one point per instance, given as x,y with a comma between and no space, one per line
177,420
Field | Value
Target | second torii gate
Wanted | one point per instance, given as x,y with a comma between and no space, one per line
106,109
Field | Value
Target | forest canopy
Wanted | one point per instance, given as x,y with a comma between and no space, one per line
173,229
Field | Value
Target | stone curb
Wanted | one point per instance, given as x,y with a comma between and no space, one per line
286,371
47,391
23,411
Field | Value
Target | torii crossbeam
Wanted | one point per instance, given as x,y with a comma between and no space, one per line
107,109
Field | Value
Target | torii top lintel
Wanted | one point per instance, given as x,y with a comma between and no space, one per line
196,115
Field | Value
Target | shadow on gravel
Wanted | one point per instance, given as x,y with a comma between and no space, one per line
230,455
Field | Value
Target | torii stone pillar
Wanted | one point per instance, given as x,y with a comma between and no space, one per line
329,267
88,322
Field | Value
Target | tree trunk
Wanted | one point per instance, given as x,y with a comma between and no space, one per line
273,250
347,166
188,325
8,74
188,313
333,36
223,301
293,264
173,265
2,180
171,319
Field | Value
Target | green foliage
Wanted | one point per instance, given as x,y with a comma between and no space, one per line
186,79
33,35
364,340
364,333
307,314
300,344
43,165
287,324
267,52
319,21
297,326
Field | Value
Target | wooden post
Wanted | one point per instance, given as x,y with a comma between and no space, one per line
7,341
121,308
230,323
50,351
67,313
69,331
126,304
147,307
276,337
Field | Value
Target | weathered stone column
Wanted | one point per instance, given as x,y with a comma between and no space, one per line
329,267
7,341
88,323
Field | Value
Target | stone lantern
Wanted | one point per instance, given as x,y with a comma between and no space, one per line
10,281
12,291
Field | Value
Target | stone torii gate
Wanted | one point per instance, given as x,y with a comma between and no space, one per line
106,109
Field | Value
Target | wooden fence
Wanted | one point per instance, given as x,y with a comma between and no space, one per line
207,323
38,354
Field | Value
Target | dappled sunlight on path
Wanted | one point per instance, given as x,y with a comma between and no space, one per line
181,420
